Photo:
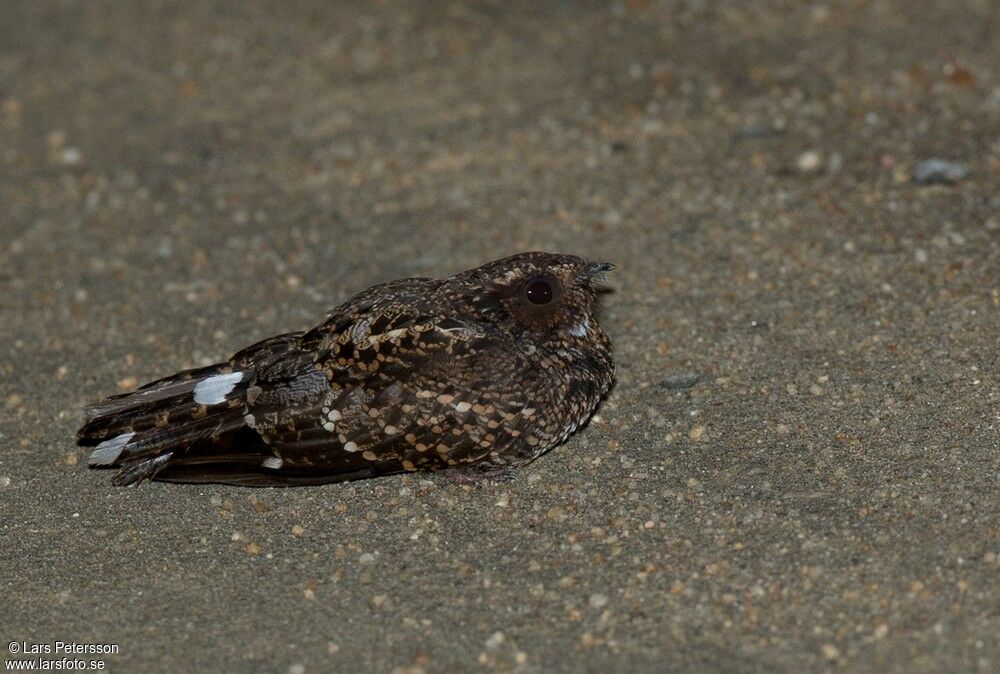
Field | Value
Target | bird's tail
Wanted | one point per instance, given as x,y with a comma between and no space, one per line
141,432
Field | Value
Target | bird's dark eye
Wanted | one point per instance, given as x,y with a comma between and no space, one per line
539,291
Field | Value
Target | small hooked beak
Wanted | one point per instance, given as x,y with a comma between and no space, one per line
596,270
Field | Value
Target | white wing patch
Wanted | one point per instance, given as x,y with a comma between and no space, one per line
214,390
108,451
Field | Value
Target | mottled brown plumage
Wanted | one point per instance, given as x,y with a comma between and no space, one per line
484,370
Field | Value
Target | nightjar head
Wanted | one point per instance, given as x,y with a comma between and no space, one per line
544,296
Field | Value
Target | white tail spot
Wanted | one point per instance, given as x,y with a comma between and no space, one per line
108,451
214,390
272,462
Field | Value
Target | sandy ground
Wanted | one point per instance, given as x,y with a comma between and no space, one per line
798,468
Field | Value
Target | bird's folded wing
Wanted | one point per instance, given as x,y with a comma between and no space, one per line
391,391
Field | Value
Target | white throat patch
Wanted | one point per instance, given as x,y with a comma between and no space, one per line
581,329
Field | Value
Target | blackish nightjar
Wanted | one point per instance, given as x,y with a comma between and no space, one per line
484,370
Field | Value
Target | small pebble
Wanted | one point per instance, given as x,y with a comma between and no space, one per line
127,384
71,156
495,641
366,558
679,381
939,171
809,162
598,600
